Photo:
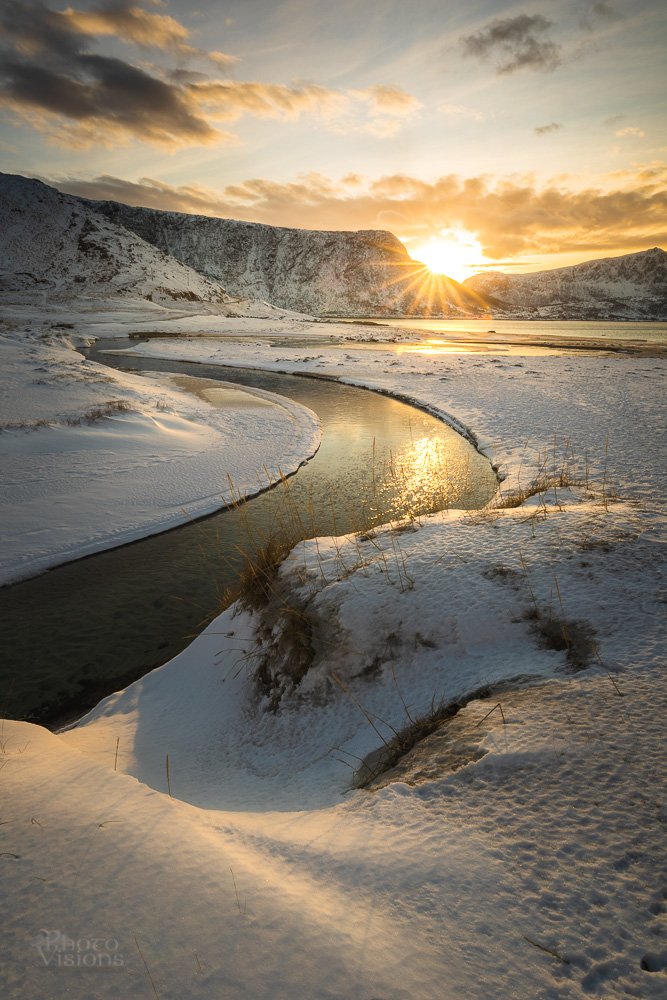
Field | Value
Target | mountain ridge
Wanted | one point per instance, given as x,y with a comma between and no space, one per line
321,272
56,249
629,286
60,247
370,273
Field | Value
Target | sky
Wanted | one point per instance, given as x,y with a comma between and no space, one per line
517,136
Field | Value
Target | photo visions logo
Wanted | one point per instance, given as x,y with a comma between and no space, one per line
59,950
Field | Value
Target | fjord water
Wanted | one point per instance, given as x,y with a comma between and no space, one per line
589,332
85,629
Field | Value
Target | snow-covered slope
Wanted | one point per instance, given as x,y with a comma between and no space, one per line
92,458
365,273
519,852
633,286
53,243
56,251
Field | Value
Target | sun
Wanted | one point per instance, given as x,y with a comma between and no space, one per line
453,252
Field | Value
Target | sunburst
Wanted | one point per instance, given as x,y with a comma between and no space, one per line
453,252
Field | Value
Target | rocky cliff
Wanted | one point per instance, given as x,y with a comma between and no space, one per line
366,273
55,247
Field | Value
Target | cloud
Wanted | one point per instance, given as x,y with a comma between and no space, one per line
388,101
107,100
130,23
517,43
133,24
591,14
545,129
222,59
509,217
228,100
379,110
461,111
51,79
631,130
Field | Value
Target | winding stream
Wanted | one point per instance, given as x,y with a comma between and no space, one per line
85,629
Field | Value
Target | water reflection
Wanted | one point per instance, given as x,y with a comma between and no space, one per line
423,476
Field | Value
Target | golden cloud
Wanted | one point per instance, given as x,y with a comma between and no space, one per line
140,27
228,100
630,131
388,101
130,23
508,217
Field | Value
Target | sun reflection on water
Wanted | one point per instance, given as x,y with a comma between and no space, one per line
424,476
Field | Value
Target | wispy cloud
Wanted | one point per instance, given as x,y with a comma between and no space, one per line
461,111
130,23
515,43
388,101
508,217
51,77
631,131
591,14
546,129
378,110
228,100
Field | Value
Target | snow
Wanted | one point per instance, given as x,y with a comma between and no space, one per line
93,457
518,855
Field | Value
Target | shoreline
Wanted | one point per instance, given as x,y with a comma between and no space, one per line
455,342
153,428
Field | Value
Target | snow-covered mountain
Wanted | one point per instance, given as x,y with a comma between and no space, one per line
365,273
56,244
58,251
56,248
632,287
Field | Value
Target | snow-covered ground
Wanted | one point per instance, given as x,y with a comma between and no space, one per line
519,853
93,457
603,411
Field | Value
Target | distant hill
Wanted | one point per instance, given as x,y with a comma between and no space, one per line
632,287
365,273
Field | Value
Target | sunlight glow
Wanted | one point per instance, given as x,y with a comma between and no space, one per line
454,252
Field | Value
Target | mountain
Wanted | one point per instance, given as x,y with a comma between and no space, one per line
366,273
57,249
630,287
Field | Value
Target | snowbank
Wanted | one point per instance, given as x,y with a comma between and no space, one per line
93,458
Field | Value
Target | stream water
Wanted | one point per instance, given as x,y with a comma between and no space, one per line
85,629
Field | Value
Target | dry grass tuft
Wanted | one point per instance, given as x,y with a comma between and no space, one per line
91,416
288,653
538,487
575,638
257,578
101,412
388,756
284,625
